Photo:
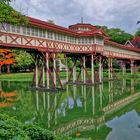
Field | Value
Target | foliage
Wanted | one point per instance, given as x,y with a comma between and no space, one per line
14,130
6,58
8,14
23,61
118,35
137,32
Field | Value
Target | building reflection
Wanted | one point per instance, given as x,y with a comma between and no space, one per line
82,108
6,98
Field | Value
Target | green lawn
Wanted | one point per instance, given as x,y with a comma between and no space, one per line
16,77
27,76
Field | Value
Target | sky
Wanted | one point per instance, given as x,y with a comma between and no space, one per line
122,14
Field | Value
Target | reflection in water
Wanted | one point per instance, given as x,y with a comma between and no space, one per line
85,99
132,86
101,95
6,98
37,101
48,109
84,109
128,124
44,100
70,102
110,91
93,100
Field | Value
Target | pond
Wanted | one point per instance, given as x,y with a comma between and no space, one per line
104,112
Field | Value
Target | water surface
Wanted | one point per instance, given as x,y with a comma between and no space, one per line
105,111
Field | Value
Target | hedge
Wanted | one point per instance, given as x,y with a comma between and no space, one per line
12,129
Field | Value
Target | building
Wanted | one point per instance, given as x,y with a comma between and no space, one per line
135,43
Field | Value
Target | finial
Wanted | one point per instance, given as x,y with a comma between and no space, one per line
81,19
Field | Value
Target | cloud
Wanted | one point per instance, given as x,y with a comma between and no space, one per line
113,13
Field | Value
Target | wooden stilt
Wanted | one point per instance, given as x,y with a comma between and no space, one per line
132,66
36,73
100,69
92,68
67,70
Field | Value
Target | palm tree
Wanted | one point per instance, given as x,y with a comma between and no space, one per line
138,22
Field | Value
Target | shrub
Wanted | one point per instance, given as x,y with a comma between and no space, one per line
11,129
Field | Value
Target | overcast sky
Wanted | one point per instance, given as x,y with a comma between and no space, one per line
112,13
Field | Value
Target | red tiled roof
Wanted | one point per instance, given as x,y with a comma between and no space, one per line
47,25
136,42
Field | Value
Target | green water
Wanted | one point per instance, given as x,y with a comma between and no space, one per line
94,112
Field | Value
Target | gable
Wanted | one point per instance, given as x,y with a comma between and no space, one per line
129,44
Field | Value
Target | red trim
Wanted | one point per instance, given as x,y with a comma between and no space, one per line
47,25
121,46
46,45
58,28
82,25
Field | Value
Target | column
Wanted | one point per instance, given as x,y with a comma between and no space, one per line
84,63
43,74
67,70
54,65
123,68
92,68
132,66
111,69
108,68
100,69
135,68
47,67
74,72
36,73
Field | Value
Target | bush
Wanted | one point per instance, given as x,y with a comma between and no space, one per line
11,129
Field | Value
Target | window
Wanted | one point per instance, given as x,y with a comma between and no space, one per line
24,30
44,34
65,38
33,31
8,27
40,33
55,36
17,29
50,35
13,28
28,31
99,40
36,31
82,40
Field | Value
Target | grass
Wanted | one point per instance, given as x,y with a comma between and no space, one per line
16,77
27,76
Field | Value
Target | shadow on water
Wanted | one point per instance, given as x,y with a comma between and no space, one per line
102,111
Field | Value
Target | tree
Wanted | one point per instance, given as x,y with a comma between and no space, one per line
9,61
137,33
117,35
23,60
9,15
6,58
